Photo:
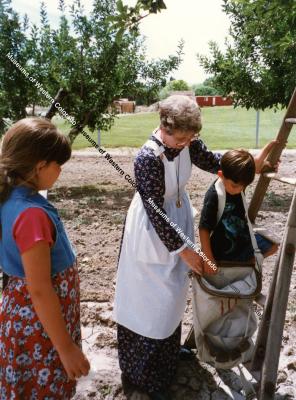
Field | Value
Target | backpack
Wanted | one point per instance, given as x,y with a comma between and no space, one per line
223,317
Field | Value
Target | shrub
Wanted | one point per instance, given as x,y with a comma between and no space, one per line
203,90
173,86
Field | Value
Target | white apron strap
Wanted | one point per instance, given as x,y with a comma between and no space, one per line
220,189
158,149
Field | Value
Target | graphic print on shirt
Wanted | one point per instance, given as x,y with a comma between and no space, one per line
234,228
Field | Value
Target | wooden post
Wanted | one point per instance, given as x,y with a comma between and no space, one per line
274,155
271,360
260,345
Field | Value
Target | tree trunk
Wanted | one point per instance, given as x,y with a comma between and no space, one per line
52,109
78,128
74,132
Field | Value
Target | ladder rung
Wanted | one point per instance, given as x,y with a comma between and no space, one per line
283,179
290,120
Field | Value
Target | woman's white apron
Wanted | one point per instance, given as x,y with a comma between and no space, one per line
152,283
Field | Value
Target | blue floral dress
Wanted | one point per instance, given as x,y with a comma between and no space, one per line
30,368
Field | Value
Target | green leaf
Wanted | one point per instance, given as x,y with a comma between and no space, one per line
119,6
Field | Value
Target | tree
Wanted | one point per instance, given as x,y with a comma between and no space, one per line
129,17
108,65
202,89
153,76
100,61
258,66
13,84
173,86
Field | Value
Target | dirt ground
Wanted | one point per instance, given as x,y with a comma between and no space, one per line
93,198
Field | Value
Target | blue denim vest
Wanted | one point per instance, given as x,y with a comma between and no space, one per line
21,198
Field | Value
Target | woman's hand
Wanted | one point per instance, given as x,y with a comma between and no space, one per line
210,269
193,260
74,361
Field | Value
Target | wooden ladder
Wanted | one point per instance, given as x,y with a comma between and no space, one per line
264,365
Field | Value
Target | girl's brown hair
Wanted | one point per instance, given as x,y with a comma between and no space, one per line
27,142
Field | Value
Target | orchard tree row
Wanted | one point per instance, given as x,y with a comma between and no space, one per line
258,66
89,61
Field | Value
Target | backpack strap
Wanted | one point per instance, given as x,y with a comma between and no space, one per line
220,189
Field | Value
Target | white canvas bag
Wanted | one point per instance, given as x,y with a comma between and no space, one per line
223,317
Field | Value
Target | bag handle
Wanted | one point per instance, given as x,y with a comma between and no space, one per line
257,253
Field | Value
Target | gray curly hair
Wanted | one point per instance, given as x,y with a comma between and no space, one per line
180,112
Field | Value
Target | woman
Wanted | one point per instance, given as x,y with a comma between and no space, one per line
152,278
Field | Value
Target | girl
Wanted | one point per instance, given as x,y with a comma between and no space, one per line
40,340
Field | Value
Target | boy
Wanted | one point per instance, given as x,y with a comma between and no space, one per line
228,239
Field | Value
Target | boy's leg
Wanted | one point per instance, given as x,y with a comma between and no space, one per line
266,247
273,249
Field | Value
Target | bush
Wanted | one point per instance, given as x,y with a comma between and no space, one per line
203,90
173,86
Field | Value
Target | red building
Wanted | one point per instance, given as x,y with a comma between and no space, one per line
211,101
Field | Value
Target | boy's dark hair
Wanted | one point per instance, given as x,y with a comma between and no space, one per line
239,166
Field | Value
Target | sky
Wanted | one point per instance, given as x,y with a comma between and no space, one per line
195,21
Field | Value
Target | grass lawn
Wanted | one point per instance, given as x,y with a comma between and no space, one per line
223,128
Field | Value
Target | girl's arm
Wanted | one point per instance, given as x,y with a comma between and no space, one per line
37,266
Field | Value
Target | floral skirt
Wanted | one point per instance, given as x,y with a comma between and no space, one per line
30,368
149,364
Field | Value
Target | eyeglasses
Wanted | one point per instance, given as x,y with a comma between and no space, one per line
190,138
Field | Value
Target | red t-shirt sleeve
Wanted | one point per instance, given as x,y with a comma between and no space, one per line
31,226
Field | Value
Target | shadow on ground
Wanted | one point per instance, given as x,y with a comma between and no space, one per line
110,197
